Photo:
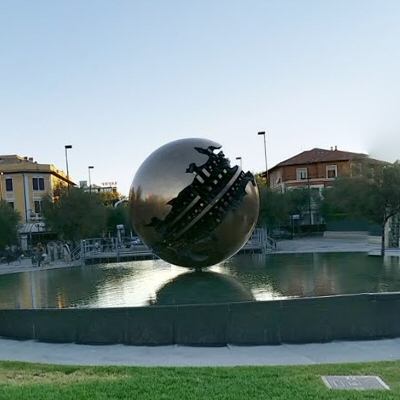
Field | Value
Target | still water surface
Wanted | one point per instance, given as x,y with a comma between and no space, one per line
241,278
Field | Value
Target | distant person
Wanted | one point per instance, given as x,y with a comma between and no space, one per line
8,254
39,254
67,252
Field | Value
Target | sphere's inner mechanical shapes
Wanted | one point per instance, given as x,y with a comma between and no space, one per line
208,220
200,207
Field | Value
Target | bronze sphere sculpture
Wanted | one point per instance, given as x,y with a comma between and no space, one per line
190,206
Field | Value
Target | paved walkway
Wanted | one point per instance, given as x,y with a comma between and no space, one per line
331,245
324,245
26,265
285,354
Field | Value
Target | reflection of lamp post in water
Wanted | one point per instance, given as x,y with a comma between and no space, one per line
33,290
90,182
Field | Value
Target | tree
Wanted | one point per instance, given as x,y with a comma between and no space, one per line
274,208
350,198
74,214
260,179
9,223
386,197
374,199
277,209
299,201
118,216
109,198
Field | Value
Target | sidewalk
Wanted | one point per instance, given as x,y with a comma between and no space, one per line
330,245
181,356
26,265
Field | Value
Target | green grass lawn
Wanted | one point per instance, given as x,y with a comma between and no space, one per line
40,381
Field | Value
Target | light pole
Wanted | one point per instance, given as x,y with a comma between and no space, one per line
240,160
67,146
309,193
265,155
1,186
90,182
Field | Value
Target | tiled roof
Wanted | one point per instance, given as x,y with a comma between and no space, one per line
320,155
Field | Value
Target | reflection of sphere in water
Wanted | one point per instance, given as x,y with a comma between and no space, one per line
190,206
200,287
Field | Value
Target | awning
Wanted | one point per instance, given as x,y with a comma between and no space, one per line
36,227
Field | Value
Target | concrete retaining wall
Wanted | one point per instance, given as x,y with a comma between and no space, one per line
317,319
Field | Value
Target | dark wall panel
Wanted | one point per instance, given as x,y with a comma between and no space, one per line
205,325
150,326
255,323
318,319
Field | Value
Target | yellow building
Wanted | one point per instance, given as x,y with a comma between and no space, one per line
23,184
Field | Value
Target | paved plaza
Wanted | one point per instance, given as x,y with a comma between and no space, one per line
285,354
333,245
25,265
325,245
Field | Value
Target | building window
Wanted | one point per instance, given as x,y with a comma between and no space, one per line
331,171
38,183
11,204
278,177
301,173
9,185
38,206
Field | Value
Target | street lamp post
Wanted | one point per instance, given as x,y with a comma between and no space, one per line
309,194
240,160
90,182
265,155
67,146
1,186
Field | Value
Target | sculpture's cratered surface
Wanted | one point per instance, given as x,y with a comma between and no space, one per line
190,206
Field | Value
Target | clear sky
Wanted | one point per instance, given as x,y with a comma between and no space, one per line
117,79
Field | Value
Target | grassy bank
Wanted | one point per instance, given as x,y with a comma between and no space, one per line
39,381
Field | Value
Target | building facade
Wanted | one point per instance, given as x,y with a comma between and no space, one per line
317,169
23,184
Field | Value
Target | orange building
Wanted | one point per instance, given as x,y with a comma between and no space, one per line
316,169
23,184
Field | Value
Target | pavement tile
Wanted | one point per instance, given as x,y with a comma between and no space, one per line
286,354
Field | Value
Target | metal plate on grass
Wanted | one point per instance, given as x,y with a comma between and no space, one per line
354,382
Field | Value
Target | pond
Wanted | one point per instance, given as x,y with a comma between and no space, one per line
241,278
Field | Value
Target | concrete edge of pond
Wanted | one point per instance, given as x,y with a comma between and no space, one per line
306,320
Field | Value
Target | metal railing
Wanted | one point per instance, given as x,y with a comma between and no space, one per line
125,246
